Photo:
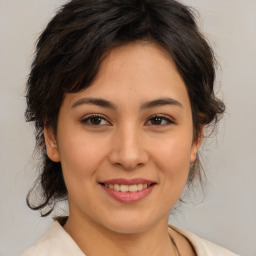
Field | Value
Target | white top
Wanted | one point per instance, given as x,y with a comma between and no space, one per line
57,242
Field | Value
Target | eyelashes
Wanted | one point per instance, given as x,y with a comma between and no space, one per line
159,120
97,121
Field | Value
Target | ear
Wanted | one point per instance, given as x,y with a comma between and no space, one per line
196,144
51,145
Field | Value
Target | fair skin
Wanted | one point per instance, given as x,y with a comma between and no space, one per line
142,130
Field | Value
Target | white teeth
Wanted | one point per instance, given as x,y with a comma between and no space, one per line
124,188
116,187
140,186
133,188
127,188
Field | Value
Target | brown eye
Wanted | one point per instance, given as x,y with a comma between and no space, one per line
156,120
95,120
159,120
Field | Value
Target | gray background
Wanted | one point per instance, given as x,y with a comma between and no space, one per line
227,215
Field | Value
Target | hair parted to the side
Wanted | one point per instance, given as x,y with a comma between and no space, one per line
70,51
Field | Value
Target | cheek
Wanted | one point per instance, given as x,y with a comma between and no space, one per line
80,160
174,151
174,163
80,157
173,159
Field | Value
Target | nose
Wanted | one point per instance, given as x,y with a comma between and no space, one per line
128,149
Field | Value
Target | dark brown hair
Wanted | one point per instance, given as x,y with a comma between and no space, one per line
70,51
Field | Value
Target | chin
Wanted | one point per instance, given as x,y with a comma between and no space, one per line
126,228
130,223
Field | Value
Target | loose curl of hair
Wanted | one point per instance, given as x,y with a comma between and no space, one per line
69,54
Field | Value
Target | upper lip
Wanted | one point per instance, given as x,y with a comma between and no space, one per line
128,181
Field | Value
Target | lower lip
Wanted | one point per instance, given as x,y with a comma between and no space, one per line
129,197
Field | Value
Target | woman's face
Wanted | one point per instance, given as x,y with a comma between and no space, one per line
131,130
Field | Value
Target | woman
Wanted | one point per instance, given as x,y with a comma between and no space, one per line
120,93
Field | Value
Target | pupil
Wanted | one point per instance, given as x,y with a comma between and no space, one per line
96,120
157,120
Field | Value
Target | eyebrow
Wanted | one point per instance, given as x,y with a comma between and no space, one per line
161,102
107,104
95,101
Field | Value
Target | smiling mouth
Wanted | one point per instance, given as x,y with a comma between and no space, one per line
127,188
128,191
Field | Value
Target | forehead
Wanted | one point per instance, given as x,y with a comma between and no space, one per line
140,71
133,63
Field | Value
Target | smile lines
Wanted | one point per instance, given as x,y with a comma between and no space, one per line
126,188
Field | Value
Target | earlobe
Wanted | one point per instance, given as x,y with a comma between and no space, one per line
51,145
193,154
196,145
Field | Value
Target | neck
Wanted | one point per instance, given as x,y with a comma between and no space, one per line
97,240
